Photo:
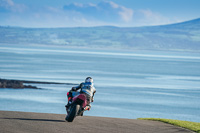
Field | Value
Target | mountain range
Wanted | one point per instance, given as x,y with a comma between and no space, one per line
183,36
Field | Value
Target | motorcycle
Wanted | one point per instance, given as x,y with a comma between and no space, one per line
78,106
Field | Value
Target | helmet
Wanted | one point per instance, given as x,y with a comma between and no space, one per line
89,79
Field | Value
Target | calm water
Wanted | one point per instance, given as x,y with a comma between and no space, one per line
129,84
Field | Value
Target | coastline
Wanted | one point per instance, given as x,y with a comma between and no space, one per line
19,84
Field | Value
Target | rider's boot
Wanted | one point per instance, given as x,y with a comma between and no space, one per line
69,102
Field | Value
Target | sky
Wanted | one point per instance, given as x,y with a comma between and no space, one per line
87,13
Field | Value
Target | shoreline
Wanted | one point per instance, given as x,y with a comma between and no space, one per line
19,84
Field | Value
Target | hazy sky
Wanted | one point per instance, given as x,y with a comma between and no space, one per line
72,13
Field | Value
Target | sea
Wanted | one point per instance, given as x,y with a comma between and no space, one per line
130,83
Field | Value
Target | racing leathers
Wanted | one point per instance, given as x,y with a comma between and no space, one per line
87,88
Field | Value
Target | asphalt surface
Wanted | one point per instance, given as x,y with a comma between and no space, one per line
26,122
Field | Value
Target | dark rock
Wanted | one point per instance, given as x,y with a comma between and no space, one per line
16,84
19,84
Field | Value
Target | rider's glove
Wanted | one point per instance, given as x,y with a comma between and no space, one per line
92,100
73,88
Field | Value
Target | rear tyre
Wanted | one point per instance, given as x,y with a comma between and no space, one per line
73,112
81,114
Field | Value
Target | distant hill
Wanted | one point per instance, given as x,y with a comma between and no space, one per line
181,36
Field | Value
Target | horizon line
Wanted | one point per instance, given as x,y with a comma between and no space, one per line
8,26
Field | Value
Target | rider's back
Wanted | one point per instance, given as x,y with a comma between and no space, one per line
88,88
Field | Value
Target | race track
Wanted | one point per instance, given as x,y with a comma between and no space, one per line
26,122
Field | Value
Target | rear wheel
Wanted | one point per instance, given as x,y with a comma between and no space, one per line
81,114
73,112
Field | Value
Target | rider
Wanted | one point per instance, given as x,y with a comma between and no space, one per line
86,87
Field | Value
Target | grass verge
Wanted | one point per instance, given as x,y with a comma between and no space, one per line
194,126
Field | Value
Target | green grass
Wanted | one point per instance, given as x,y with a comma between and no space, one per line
194,126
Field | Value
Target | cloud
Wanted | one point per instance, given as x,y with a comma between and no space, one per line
126,14
148,17
105,10
114,14
10,6
6,3
77,14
